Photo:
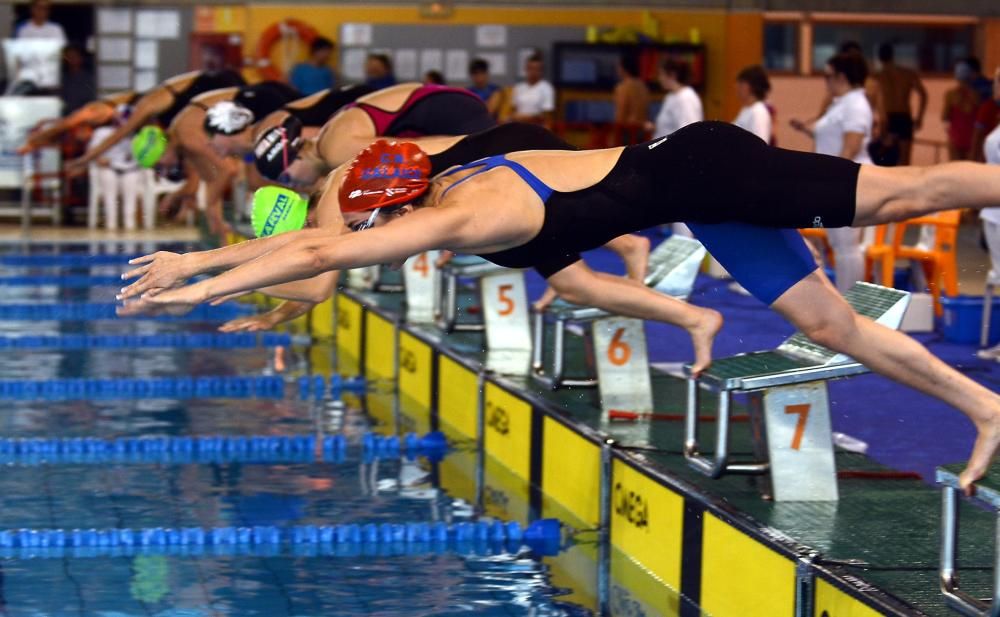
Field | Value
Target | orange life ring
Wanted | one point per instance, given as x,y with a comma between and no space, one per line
272,35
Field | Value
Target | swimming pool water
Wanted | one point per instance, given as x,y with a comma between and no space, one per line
193,581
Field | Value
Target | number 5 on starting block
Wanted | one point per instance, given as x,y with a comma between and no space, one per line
363,279
505,312
622,364
421,280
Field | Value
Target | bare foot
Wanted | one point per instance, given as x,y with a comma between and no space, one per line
279,359
702,337
985,448
636,257
547,298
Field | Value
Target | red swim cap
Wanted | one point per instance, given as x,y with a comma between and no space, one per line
384,174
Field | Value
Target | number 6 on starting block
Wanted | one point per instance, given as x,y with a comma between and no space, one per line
421,280
622,364
505,314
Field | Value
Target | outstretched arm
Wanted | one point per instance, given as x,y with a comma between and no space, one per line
163,269
95,112
286,311
309,254
148,106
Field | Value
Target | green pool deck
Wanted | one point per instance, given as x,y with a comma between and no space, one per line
884,532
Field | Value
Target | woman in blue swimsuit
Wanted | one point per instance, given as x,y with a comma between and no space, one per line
541,209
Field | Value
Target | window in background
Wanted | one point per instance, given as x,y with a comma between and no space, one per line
929,49
781,46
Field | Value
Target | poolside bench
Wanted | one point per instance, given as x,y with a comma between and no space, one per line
789,403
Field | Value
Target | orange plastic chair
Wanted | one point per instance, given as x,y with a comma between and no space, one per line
880,252
939,262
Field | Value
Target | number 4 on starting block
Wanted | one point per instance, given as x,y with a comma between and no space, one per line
622,364
421,280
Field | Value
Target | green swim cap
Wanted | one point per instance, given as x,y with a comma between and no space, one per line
277,210
148,145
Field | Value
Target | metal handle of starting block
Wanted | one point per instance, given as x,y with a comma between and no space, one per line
955,598
984,329
446,309
719,464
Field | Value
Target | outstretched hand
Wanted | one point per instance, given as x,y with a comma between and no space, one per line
159,270
146,306
252,323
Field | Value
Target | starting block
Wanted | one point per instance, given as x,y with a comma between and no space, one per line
987,495
503,298
370,279
673,266
460,267
421,281
789,404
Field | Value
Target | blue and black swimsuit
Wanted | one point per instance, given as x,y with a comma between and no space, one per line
742,198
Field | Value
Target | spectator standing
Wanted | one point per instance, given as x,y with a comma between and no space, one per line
39,26
959,113
982,85
844,130
681,105
534,99
631,94
378,72
752,88
489,92
897,85
78,85
987,119
315,74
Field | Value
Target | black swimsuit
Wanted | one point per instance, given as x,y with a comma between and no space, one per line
201,84
742,198
510,137
323,109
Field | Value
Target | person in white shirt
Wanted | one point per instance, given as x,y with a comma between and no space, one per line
991,216
37,64
117,174
752,88
682,105
39,26
534,99
844,130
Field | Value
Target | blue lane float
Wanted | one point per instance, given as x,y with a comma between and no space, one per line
543,536
81,311
201,340
542,530
314,386
172,449
68,259
61,280
173,387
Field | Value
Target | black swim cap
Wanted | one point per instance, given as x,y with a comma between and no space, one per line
278,147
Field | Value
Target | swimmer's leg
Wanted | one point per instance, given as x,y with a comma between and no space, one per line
579,284
815,308
634,251
887,194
